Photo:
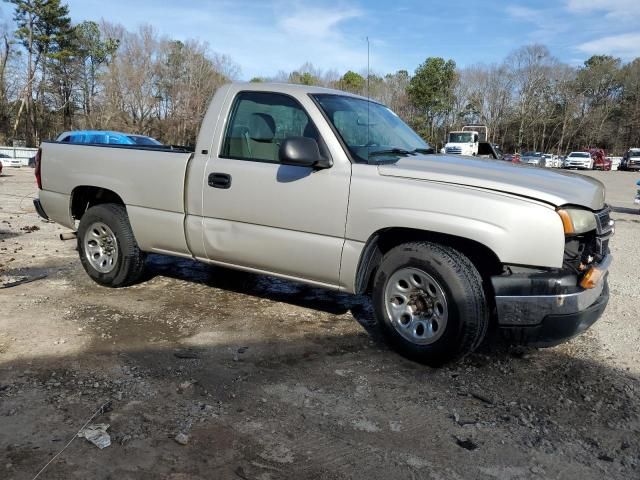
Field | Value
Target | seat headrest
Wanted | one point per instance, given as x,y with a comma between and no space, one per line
262,127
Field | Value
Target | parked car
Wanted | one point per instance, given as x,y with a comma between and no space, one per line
581,160
631,160
334,190
534,158
106,137
144,140
9,161
637,199
600,160
511,157
605,164
95,137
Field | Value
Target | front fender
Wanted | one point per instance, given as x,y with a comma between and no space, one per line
518,230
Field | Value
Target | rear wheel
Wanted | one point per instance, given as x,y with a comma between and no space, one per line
108,250
429,302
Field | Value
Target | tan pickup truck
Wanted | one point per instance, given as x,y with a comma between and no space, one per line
331,189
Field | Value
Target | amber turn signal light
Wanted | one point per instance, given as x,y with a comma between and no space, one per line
567,223
591,278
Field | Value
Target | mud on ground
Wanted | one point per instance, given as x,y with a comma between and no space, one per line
269,379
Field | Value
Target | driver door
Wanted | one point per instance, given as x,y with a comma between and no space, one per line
265,216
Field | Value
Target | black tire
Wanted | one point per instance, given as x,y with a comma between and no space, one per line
468,317
129,261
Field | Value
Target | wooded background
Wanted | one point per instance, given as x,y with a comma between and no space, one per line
57,76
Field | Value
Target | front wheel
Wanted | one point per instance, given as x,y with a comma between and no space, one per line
429,302
108,250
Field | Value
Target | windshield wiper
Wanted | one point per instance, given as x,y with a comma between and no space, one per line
423,150
391,151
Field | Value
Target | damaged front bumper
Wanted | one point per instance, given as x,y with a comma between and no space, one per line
545,309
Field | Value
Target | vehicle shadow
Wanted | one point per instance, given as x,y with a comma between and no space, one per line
292,293
261,286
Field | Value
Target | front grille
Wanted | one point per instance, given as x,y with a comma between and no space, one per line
604,231
603,221
455,150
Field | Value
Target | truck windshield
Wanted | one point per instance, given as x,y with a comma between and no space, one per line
457,137
371,131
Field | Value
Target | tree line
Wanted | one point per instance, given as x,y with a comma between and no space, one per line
57,76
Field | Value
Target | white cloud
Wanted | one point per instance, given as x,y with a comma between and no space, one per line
316,22
524,13
547,24
263,37
624,45
613,9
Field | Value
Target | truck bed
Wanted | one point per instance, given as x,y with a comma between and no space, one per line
149,180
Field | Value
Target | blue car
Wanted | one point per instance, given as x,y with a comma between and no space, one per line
106,137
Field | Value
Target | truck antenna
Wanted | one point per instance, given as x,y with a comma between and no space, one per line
368,67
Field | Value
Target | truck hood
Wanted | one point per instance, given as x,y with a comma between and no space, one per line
554,187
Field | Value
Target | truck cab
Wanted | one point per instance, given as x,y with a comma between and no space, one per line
466,141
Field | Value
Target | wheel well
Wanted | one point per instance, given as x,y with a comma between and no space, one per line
484,259
85,197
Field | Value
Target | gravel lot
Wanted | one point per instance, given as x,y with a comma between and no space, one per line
269,379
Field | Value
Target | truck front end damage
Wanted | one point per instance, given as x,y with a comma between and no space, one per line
546,307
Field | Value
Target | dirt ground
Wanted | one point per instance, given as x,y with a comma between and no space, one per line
269,379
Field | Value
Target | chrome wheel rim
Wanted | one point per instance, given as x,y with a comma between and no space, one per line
416,306
101,247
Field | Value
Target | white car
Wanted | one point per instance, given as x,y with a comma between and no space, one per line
10,161
580,160
533,158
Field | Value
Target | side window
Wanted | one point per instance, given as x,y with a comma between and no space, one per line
260,121
66,139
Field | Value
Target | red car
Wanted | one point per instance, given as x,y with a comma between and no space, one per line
512,157
600,160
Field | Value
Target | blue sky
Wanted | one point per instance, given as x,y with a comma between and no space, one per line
264,37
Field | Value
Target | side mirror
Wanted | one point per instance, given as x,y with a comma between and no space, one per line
302,152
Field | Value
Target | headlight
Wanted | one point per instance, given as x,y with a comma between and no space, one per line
576,221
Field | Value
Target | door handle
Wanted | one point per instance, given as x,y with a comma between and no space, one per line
219,180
